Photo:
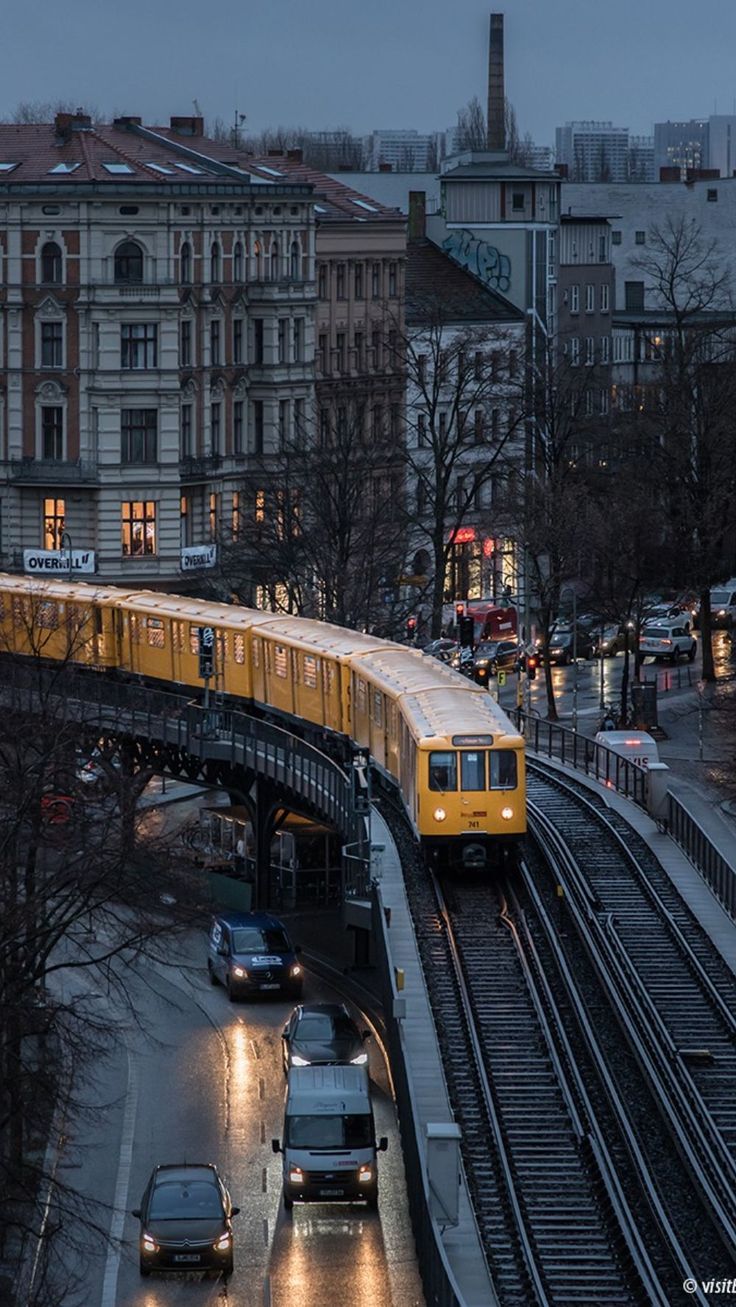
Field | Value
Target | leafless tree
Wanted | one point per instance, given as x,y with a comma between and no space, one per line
471,126
686,412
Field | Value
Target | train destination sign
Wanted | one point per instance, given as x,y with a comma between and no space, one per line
472,741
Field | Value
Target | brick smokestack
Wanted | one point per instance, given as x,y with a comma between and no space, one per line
496,95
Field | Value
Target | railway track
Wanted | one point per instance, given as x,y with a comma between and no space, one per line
673,998
554,1219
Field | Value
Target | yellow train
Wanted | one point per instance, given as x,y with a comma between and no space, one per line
455,757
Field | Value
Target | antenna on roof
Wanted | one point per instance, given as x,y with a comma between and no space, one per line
238,120
197,108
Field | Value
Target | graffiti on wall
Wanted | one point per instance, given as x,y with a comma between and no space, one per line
483,260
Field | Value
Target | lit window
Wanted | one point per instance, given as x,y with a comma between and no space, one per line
138,519
53,522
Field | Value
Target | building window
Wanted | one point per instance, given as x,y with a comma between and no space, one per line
237,340
376,281
52,433
238,262
495,423
185,518
283,328
322,353
215,421
275,261
602,251
215,263
421,368
129,264
340,281
295,261
616,237
604,402
517,201
52,345
138,518
322,281
186,430
358,281
299,417
422,429
283,422
634,296
238,426
138,428
340,351
574,351
377,421
235,516
605,349
513,364
590,298
260,506
51,264
185,264
574,299
138,345
712,197
393,280
393,359
443,428
604,297
376,348
258,340
53,522
213,515
589,403
589,351
298,340
479,428
215,359
258,426
640,237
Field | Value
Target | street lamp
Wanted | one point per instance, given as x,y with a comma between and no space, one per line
574,657
65,536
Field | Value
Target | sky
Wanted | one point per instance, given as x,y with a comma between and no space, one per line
365,65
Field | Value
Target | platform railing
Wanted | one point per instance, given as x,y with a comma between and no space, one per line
715,869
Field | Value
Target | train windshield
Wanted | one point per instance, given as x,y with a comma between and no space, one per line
503,770
473,770
442,772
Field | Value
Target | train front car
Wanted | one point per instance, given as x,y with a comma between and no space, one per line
470,781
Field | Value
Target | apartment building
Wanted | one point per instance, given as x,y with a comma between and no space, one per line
147,284
593,151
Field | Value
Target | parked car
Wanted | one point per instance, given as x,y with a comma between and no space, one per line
322,1034
723,605
608,642
492,656
251,953
443,649
667,641
562,645
185,1217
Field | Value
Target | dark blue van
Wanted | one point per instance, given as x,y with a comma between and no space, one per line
251,953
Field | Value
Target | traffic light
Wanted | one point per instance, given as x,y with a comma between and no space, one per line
459,610
532,663
411,627
466,627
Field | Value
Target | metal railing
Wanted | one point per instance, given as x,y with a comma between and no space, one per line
551,740
715,869
204,466
53,470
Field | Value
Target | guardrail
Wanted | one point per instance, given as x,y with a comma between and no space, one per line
583,754
716,871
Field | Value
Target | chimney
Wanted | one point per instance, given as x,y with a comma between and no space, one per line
667,174
385,167
184,126
295,156
66,123
417,228
562,171
496,95
127,120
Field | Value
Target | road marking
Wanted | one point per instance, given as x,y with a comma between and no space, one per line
264,1180
114,1252
267,1291
265,1230
263,1132
261,1088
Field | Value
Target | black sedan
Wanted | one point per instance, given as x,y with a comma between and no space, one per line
185,1217
492,656
563,648
318,1034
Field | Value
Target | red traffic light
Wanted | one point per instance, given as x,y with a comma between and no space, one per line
459,610
411,623
532,662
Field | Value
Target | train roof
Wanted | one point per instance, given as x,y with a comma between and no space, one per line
339,641
51,587
439,717
402,671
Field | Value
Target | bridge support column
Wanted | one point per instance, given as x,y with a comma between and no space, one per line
265,813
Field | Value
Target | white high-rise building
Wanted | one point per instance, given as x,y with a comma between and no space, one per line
593,151
405,149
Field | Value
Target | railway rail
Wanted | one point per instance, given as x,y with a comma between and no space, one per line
673,998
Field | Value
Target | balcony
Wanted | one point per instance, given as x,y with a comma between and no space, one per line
53,472
263,290
199,469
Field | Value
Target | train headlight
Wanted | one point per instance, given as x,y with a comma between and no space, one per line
439,814
507,813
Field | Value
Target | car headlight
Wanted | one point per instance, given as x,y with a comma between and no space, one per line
295,971
365,1174
439,814
240,972
296,1060
482,662
223,1243
360,1060
296,1175
148,1243
507,813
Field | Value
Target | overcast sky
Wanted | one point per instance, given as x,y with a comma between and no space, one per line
373,63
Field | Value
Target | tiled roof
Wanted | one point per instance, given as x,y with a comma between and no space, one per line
498,170
335,200
437,285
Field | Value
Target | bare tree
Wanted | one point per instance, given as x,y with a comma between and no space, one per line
686,411
471,126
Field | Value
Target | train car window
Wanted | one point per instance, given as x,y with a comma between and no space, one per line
135,627
360,695
177,636
155,633
239,649
98,620
378,707
280,661
48,615
503,770
2,608
267,655
442,772
328,671
472,770
222,644
19,610
310,671
194,640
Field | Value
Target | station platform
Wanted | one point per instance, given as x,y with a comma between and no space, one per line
462,1243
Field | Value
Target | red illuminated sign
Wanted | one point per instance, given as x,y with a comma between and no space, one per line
463,534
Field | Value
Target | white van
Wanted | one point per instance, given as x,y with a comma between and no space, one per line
635,746
329,1145
723,605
